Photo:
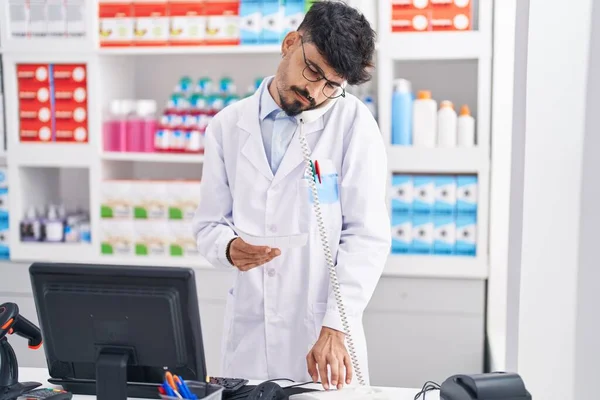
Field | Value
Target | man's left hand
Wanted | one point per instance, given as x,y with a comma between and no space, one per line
330,350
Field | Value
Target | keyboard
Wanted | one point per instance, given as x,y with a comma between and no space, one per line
230,384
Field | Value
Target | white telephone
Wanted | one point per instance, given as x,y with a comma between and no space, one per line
362,392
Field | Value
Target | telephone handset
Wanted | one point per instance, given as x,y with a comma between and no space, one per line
304,118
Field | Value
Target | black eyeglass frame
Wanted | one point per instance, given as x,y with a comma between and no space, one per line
321,77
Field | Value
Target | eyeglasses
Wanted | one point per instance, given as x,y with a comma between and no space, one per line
312,73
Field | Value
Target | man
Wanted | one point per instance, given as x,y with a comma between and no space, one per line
282,319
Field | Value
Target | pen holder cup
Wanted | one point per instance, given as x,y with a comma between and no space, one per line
204,391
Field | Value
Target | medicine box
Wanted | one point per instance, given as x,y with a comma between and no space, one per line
272,21
181,240
293,14
116,238
445,194
4,240
466,194
423,194
466,235
188,23
183,199
250,21
116,199
151,238
444,234
152,22
223,23
116,23
402,193
422,234
401,233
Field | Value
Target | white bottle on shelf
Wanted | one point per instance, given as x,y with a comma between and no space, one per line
465,128
424,120
446,125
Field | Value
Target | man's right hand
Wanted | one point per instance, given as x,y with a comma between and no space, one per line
246,256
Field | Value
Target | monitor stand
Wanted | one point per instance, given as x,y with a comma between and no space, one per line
111,374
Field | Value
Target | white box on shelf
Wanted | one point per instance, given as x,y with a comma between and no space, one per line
422,234
402,193
116,199
151,238
181,240
402,236
183,199
423,194
466,194
466,235
150,199
57,18
445,194
444,235
116,238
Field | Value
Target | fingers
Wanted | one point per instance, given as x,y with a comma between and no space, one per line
322,365
349,372
311,364
251,249
334,366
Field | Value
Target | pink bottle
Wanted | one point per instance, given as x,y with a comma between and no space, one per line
146,120
112,127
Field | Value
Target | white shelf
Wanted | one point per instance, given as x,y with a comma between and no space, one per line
51,252
51,155
437,46
154,157
205,49
434,266
436,160
196,262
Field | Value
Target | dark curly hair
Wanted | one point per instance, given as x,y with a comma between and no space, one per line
344,38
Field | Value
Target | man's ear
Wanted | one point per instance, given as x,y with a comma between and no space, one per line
289,41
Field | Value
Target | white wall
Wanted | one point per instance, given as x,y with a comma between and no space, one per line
555,129
587,345
502,104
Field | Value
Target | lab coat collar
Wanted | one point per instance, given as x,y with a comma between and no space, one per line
253,148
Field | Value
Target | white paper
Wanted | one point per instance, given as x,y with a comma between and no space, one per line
279,242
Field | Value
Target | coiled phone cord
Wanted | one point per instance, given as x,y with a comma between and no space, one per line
328,257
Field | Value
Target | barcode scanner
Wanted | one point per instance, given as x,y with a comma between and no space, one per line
12,322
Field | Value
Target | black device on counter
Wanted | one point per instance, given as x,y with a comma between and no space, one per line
495,385
11,321
111,330
48,394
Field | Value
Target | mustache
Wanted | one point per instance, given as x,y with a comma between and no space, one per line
304,93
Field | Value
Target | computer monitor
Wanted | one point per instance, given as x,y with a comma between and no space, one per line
111,331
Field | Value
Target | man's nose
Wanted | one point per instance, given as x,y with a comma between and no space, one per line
314,88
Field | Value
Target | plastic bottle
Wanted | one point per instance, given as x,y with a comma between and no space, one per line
30,226
402,113
446,125
127,110
142,127
424,120
53,226
111,127
465,128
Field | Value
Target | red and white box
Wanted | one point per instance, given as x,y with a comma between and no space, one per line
116,23
431,15
70,105
35,122
188,22
223,22
152,22
69,74
411,21
71,131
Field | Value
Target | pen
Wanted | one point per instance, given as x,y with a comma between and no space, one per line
183,387
318,170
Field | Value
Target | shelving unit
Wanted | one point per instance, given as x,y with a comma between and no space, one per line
394,52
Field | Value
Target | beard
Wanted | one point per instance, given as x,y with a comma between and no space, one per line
293,106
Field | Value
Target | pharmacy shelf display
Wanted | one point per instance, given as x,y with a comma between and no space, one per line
141,181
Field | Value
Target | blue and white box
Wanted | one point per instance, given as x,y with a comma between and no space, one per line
272,21
444,237
466,235
422,234
402,193
3,194
466,194
250,21
423,194
293,14
401,233
445,194
4,240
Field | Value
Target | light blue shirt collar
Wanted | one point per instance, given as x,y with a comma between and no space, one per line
268,107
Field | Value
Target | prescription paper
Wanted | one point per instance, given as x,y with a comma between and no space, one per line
279,242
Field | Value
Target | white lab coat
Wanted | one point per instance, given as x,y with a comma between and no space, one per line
274,313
